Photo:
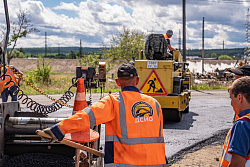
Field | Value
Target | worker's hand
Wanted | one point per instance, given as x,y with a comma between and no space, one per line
49,132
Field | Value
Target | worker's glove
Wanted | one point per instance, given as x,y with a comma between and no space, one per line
49,132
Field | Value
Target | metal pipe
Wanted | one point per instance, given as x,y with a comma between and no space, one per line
33,120
28,125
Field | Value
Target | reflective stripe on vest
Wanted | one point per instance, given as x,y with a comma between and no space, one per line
123,124
92,118
247,163
11,76
226,156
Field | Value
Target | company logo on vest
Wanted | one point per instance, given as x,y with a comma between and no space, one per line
142,112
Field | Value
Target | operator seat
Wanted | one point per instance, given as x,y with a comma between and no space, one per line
156,47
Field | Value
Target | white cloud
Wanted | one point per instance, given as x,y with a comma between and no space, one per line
67,6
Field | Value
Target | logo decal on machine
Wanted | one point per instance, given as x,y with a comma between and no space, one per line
142,112
153,85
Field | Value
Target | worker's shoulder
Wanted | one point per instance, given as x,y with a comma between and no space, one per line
242,125
149,97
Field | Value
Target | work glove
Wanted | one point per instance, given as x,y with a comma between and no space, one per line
49,132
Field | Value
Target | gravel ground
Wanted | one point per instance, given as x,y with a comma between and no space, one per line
216,140
209,156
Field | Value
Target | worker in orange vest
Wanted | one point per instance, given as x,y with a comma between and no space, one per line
133,124
7,81
167,36
236,150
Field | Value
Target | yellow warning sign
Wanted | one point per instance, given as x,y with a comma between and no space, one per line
153,85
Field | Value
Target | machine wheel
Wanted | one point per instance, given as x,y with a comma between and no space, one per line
186,110
173,115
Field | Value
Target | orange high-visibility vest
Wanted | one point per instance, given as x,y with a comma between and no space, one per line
166,37
226,156
11,73
133,128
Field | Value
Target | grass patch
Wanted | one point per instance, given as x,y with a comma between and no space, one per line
207,87
211,85
60,83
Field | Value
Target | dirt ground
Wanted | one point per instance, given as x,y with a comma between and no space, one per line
206,153
208,156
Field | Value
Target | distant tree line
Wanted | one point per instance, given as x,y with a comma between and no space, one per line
222,54
55,53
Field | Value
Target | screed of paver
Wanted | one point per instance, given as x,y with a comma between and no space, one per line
208,156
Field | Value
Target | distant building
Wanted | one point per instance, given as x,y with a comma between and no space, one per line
199,58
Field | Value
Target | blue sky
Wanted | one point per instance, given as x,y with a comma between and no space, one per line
66,22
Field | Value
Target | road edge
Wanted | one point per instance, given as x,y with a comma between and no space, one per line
217,139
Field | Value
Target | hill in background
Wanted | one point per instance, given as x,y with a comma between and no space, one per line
61,50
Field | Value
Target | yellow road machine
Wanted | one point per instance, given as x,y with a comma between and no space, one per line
165,77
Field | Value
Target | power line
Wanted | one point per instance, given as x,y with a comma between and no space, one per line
246,51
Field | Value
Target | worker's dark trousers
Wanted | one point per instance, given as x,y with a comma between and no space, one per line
6,92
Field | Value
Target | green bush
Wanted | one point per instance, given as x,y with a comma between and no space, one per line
225,57
90,60
43,71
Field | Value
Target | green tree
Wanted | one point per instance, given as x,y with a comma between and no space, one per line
72,54
17,53
22,50
21,28
225,57
207,55
214,55
125,46
91,60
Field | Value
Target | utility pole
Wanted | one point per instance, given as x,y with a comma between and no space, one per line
6,38
203,46
223,44
179,40
80,50
45,44
184,29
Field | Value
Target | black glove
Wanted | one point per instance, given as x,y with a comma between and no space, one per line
49,132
